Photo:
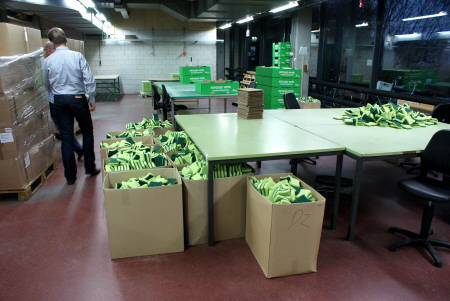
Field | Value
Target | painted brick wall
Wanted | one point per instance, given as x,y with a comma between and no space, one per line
137,61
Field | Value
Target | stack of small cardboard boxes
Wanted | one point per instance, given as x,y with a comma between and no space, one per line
192,74
275,82
27,147
281,54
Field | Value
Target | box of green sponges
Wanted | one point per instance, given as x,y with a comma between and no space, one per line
147,220
229,208
284,236
216,87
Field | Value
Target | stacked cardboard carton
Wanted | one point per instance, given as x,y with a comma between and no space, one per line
26,142
192,74
281,54
275,82
250,103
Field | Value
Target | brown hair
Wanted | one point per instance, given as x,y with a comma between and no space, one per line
57,36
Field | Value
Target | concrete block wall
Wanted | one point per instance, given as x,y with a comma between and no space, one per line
138,61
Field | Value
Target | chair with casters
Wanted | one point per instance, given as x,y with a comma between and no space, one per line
435,157
442,114
290,102
251,85
158,104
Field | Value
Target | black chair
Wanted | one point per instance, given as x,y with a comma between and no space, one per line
290,102
158,104
251,85
441,113
435,157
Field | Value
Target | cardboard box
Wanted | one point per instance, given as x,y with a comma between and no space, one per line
33,39
309,105
18,139
144,221
216,88
20,72
194,71
12,39
229,209
42,155
8,115
16,177
284,238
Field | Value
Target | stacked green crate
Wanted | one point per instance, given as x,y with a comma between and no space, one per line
276,82
146,87
281,54
192,74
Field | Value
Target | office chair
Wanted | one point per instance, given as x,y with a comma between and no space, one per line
251,85
434,157
441,113
290,102
158,104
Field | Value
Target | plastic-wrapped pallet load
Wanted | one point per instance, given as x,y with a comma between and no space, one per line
24,120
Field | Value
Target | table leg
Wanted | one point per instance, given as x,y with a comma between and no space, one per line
355,197
225,105
337,188
210,204
209,105
172,106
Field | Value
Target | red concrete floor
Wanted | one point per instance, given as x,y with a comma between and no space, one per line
55,245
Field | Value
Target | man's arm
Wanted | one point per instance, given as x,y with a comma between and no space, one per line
45,75
88,79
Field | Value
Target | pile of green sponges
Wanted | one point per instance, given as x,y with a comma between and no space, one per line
133,133
307,99
147,181
130,159
396,116
149,124
128,142
174,141
286,191
199,170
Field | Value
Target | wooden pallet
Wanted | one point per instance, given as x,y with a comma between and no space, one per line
26,193
248,78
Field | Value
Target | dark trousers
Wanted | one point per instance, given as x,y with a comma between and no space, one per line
76,145
67,108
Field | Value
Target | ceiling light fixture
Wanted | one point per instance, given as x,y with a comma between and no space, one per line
441,14
284,7
101,17
245,20
314,31
362,24
225,26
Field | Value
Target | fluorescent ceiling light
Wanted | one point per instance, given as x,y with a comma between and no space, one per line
108,24
284,7
87,3
225,26
245,20
441,14
317,30
101,17
362,24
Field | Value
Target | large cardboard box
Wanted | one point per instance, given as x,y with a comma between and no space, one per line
12,39
33,39
213,88
284,238
16,175
42,155
8,115
229,209
144,221
309,105
18,139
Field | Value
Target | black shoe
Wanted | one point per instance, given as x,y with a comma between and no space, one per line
93,173
80,156
71,182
